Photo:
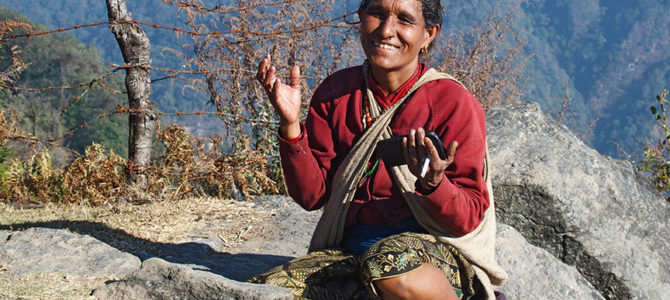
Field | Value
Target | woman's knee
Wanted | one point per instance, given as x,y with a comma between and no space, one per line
426,282
394,288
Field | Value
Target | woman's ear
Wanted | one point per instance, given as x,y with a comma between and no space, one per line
431,34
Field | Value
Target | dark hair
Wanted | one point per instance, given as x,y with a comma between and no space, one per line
432,11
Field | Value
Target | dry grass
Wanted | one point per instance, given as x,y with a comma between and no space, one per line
130,228
48,286
155,222
189,167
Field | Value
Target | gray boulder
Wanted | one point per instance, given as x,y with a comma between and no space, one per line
158,279
536,274
588,210
57,250
290,228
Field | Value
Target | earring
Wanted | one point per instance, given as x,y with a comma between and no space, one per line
424,51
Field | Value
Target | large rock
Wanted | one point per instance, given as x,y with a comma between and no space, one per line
536,274
589,210
290,228
57,250
158,279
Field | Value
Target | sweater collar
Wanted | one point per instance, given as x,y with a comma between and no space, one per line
387,100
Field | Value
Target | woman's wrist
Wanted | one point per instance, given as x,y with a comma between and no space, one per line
290,131
428,186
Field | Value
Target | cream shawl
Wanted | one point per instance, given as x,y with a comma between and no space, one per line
478,246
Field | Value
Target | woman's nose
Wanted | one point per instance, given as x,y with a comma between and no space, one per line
388,27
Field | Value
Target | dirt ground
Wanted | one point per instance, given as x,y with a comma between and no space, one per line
233,222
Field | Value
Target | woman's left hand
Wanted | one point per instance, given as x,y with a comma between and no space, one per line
416,148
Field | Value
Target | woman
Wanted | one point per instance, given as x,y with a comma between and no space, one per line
423,230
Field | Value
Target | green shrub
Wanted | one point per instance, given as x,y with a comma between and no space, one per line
656,162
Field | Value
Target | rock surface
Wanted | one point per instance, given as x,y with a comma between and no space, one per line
57,250
290,229
535,274
589,210
158,279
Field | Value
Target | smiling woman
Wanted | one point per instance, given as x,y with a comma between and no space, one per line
395,232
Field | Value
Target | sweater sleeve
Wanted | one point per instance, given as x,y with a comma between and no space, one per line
461,199
306,163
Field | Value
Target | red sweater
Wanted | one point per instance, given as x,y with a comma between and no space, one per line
334,124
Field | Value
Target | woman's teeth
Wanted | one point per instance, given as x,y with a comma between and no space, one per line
385,46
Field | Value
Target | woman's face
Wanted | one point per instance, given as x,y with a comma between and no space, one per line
393,32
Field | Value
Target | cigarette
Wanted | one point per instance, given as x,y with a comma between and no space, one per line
424,169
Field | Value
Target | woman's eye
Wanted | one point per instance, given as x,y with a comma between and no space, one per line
405,20
376,15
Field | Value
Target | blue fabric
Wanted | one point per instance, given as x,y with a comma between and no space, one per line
361,236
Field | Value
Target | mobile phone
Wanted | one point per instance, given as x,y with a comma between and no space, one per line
391,150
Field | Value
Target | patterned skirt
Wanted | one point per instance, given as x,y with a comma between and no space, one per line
336,274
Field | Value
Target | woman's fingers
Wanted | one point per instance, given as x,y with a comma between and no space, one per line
266,74
421,144
274,88
294,77
263,68
270,78
413,154
451,151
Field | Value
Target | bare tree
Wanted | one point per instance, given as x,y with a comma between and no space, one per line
135,48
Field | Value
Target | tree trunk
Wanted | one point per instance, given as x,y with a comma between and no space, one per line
135,48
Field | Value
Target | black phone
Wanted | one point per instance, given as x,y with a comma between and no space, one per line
391,150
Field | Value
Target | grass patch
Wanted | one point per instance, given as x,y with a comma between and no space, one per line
49,286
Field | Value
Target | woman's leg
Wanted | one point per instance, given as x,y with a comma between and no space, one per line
413,265
426,282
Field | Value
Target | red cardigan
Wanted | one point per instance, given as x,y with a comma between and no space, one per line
334,124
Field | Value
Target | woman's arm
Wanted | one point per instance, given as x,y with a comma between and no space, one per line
305,151
454,189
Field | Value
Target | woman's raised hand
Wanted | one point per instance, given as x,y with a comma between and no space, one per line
285,98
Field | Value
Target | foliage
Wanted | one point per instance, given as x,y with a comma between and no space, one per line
185,169
656,162
7,121
94,179
193,166
9,75
49,111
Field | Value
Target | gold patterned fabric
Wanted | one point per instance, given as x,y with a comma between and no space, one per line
336,274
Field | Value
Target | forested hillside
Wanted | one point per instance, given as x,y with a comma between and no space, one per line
56,61
613,55
610,57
